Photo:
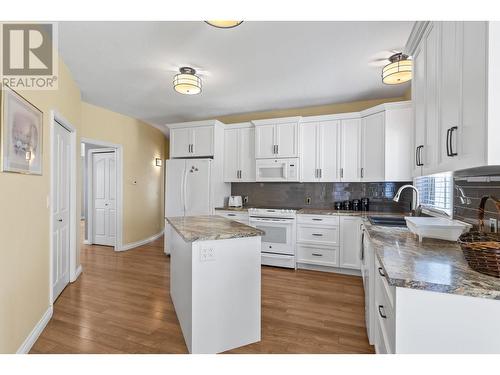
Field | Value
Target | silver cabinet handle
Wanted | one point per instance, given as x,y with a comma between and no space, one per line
316,219
341,172
382,314
380,272
320,173
277,149
362,172
231,214
317,234
317,255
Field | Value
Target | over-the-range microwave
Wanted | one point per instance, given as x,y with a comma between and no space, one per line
277,170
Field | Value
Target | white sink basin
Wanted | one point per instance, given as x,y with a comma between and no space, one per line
436,227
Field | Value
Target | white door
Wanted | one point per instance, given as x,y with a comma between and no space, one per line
418,98
247,154
373,148
174,187
309,169
197,194
104,198
203,141
180,142
329,150
231,155
265,141
60,209
350,242
350,145
287,140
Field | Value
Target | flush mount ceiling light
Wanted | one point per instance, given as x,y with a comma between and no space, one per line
187,82
224,24
398,71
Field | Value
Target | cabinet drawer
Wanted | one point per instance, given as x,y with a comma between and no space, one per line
241,217
318,255
390,291
384,311
380,345
318,219
315,234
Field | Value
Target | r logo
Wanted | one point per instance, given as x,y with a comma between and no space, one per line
27,49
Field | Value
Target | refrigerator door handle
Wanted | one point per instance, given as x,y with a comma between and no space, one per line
184,183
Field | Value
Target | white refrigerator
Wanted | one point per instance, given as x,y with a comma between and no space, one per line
193,187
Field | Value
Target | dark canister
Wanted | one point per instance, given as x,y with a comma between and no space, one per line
356,204
346,205
338,205
365,204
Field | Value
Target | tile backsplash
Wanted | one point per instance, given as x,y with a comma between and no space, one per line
466,209
323,195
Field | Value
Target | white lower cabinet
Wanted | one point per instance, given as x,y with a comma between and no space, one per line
385,321
317,254
350,242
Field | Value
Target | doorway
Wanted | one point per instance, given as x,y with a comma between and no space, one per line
63,230
102,193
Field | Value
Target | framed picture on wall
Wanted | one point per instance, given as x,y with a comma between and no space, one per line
21,134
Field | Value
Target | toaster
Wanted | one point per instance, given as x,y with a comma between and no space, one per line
235,201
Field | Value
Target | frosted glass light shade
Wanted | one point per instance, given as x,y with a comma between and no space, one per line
398,71
187,82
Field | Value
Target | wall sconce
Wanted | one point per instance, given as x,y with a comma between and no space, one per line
158,162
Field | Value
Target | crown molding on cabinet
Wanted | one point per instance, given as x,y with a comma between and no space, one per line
280,120
239,125
415,36
194,124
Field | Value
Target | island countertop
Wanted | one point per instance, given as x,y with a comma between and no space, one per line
211,227
432,265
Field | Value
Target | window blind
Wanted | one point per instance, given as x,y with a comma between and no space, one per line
436,192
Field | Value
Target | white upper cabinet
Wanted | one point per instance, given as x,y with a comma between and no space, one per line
350,155
239,153
320,150
277,138
193,139
373,148
455,93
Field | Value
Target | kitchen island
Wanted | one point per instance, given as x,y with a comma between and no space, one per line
215,281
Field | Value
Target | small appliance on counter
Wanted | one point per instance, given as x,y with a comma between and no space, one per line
365,204
356,205
346,205
338,206
235,201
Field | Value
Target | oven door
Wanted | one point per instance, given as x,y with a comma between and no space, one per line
278,237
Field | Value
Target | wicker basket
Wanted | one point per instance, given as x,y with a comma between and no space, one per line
481,249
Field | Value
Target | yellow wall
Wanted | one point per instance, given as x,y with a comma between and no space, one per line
308,111
142,143
24,225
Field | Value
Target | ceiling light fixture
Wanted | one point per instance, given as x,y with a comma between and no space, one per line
398,71
187,82
224,24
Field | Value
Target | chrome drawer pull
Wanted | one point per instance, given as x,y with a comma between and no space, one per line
317,234
380,272
382,314
231,214
317,255
314,219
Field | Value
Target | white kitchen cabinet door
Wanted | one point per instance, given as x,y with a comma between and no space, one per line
287,140
350,242
265,141
329,150
432,142
350,150
180,143
470,141
373,148
450,56
418,98
247,154
309,138
203,141
231,155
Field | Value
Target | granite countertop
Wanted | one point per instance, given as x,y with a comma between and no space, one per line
432,265
211,227
242,209
332,212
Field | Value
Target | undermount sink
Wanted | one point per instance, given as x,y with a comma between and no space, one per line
388,221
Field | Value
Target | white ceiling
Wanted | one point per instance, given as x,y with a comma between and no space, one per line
128,66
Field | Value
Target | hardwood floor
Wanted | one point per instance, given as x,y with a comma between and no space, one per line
121,304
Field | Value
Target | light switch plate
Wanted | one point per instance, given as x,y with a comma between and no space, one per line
207,254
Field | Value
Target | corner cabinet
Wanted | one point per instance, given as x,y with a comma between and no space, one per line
277,138
193,139
455,90
239,153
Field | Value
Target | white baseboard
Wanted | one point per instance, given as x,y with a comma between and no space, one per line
35,333
86,242
145,241
78,272
313,267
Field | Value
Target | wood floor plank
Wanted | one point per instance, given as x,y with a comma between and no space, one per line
121,304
